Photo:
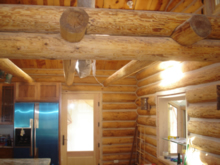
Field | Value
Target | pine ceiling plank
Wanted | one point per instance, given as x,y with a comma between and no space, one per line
173,5
56,2
164,5
156,5
50,2
143,4
66,2
117,4
73,3
194,7
99,3
41,63
40,2
184,4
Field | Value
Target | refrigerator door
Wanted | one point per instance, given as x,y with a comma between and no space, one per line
46,121
23,118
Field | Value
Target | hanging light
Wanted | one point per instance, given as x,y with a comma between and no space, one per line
8,78
2,73
144,104
130,4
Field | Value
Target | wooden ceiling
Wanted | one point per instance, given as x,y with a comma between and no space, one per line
184,6
58,64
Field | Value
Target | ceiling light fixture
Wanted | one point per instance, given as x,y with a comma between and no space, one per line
130,4
144,104
8,78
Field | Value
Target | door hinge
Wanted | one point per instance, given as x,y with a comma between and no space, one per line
98,104
98,124
98,144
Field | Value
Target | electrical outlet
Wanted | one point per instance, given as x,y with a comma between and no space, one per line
116,161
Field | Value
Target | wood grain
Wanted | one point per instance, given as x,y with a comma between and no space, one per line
51,46
118,124
116,97
119,115
202,76
146,121
203,111
118,106
202,94
148,130
111,141
117,133
211,129
116,22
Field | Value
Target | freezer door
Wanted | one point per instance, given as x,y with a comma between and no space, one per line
46,123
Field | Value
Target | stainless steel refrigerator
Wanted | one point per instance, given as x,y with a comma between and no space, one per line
36,131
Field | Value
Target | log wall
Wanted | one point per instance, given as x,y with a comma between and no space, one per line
118,115
199,82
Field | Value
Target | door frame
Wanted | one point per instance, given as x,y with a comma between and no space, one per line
97,144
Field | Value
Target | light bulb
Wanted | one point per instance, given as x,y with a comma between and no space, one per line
130,4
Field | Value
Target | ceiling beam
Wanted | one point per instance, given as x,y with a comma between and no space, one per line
52,46
101,21
127,70
73,23
9,67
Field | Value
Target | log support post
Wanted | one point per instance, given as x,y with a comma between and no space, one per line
73,23
193,30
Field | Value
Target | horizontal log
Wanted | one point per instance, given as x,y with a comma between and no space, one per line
45,19
127,70
149,140
202,76
111,141
146,121
150,158
185,67
152,111
147,130
117,133
205,145
77,80
202,94
116,97
118,106
204,111
151,101
117,157
52,46
211,129
154,68
117,149
118,124
99,88
119,115
149,149
121,162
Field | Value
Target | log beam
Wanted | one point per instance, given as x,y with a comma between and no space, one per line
73,23
69,71
9,67
127,70
45,19
202,94
211,129
193,30
51,46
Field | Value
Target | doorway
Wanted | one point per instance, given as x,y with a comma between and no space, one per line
79,135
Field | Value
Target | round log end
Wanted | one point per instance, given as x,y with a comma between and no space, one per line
201,25
73,23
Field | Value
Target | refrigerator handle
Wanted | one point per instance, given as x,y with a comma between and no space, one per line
31,148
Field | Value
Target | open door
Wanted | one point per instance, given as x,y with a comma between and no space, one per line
79,133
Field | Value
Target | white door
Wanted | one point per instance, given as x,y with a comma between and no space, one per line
79,133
